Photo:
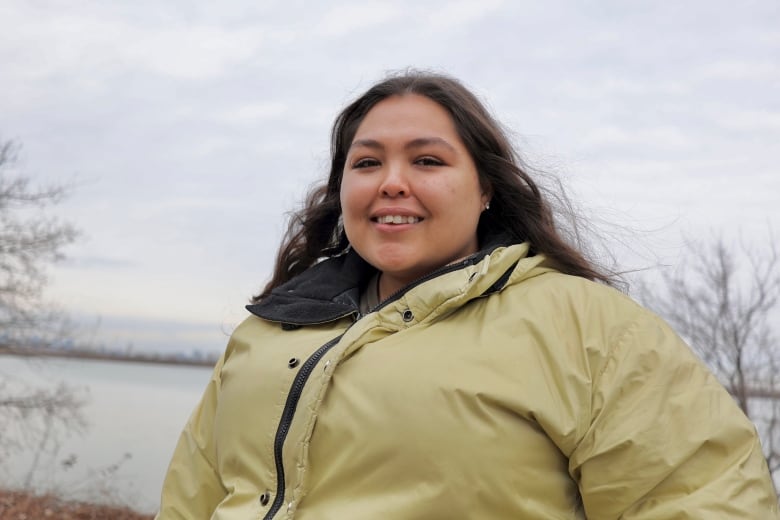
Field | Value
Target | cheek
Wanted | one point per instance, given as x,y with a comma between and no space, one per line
461,198
346,195
352,201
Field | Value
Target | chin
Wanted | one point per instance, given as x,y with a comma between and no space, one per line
392,259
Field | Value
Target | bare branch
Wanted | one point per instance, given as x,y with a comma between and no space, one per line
30,240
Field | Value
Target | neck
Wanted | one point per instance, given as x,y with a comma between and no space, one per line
389,285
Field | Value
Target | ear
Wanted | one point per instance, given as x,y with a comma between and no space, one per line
487,194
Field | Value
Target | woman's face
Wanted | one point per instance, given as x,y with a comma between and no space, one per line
410,193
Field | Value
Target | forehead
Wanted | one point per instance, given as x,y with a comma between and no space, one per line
409,115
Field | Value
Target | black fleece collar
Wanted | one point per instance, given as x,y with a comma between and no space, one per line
325,292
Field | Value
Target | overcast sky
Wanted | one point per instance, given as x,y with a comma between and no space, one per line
189,128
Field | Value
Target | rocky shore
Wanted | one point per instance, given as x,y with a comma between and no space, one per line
18,505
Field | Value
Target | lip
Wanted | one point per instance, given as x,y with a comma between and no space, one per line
394,228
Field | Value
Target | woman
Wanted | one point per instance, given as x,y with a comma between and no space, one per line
430,347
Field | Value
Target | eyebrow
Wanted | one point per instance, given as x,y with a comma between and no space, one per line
414,143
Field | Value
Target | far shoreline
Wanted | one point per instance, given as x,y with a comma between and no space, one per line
104,356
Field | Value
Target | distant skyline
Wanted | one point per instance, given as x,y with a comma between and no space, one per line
189,129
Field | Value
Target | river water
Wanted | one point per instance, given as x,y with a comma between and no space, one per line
134,412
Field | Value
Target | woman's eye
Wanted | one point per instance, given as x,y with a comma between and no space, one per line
429,161
365,163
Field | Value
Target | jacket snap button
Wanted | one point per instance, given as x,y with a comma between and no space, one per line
293,362
408,315
264,498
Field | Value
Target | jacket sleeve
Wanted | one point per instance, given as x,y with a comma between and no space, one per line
665,440
192,487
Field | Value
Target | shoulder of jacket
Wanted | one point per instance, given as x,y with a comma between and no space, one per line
547,284
601,316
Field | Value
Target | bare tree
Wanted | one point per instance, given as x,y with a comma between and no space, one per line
723,299
30,239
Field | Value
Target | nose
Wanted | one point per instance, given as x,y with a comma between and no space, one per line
395,182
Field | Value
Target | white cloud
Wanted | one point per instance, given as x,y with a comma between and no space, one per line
740,70
666,137
636,86
43,44
46,44
348,18
749,121
254,112
191,52
613,87
456,14
152,210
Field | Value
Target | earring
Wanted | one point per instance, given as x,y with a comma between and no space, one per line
487,205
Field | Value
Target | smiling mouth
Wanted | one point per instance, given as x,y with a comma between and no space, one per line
396,219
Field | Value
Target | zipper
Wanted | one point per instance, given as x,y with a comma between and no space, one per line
303,375
287,417
433,274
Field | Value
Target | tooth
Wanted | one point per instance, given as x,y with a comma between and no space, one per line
398,219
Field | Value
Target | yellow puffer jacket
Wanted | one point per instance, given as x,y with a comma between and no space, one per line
498,388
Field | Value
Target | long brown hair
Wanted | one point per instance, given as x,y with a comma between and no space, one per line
518,208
